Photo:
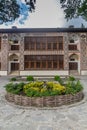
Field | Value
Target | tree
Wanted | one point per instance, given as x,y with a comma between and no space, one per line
82,10
31,3
9,11
74,8
12,9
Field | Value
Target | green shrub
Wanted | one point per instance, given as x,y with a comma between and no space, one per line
30,78
79,86
73,87
40,88
13,79
16,88
71,78
57,78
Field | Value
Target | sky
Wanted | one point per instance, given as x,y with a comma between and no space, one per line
48,14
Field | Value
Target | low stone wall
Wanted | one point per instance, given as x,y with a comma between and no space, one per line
51,101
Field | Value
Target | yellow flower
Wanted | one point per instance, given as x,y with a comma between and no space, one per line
36,88
58,87
43,90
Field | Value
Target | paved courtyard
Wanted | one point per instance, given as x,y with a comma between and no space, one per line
71,117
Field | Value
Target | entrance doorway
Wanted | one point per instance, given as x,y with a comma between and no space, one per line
74,67
14,66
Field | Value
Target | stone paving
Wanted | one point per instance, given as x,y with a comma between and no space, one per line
71,117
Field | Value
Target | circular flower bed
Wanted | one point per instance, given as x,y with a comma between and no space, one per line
43,94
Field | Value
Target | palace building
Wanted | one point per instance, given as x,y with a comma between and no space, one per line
43,51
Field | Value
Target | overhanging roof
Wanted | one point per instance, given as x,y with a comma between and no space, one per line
42,30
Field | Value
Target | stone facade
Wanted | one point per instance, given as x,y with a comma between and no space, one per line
74,51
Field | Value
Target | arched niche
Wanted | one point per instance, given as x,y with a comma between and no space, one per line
14,38
13,57
73,57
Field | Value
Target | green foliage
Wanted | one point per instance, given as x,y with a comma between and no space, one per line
40,88
32,92
13,79
74,8
14,88
9,11
73,87
30,78
31,3
82,10
79,86
57,78
71,78
12,9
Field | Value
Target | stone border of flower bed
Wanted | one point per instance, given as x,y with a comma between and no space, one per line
50,101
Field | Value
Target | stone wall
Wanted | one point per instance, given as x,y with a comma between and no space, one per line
4,53
51,101
84,51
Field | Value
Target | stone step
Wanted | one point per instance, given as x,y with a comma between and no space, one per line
73,72
14,73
